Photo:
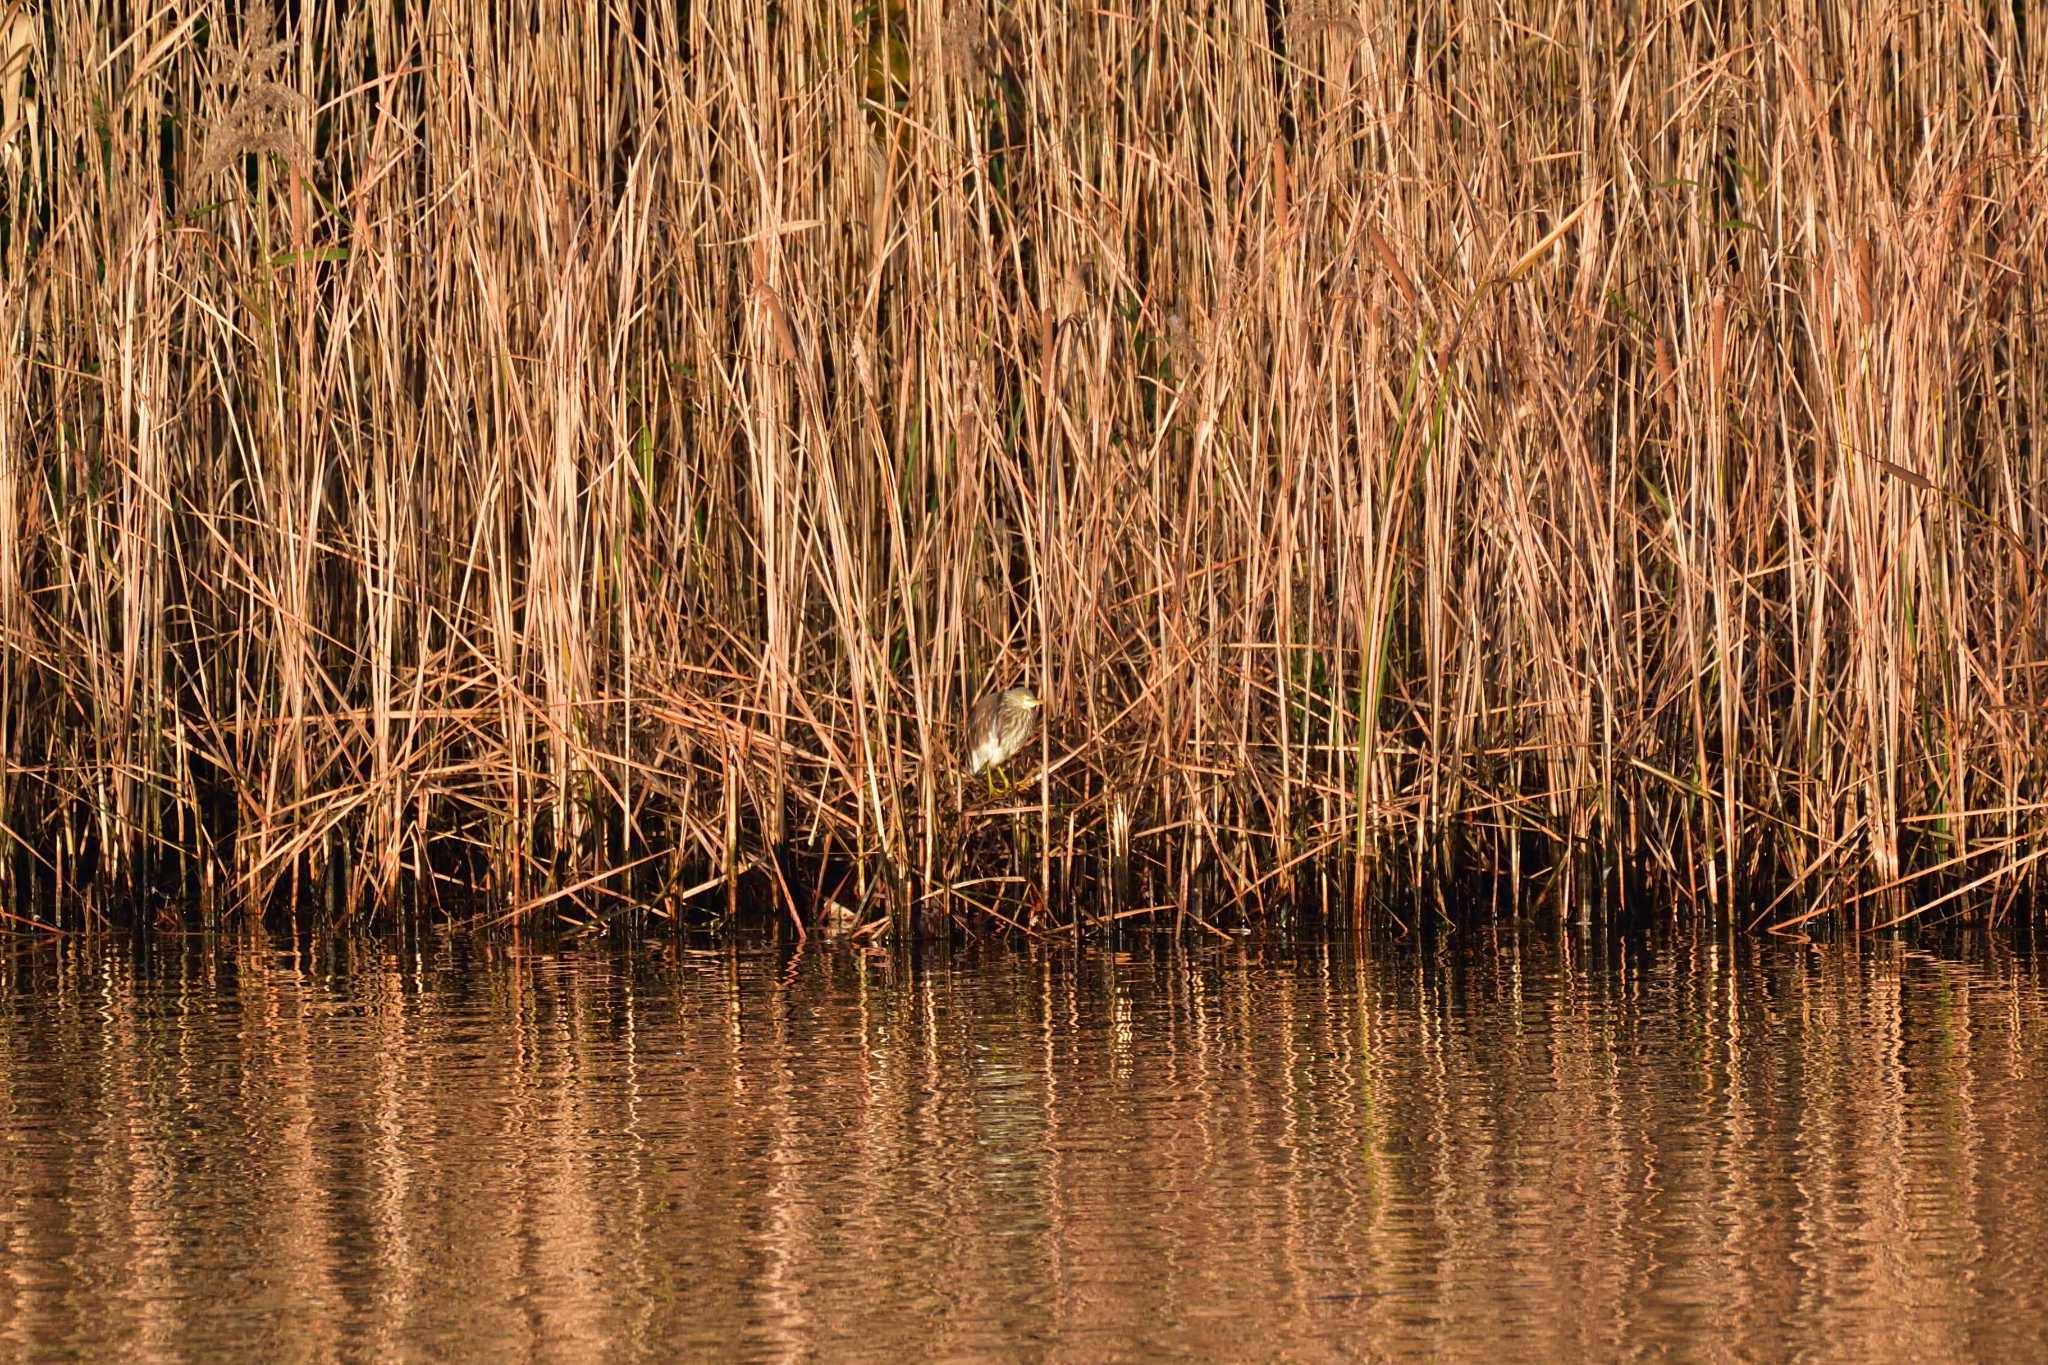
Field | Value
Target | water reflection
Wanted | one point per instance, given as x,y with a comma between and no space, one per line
1512,1145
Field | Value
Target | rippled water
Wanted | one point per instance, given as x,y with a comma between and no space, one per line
1505,1144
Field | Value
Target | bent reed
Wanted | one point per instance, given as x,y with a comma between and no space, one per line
553,456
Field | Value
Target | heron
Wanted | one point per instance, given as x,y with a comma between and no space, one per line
997,728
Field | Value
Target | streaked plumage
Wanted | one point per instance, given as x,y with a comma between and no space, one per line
998,727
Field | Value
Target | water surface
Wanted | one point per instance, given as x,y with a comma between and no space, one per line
1500,1144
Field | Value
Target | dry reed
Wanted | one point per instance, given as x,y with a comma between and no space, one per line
557,451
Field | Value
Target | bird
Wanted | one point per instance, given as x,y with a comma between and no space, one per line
997,728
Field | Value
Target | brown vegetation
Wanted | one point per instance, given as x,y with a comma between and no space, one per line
534,443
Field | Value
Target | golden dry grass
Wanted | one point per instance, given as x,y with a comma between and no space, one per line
505,446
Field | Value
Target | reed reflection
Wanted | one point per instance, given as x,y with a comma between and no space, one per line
1495,1144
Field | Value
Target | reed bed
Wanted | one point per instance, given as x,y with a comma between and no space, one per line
552,458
